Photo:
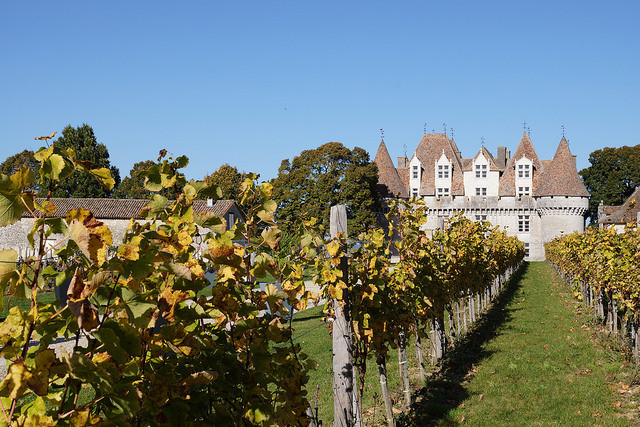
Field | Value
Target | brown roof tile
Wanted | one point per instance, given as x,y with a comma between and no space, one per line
124,208
429,150
403,173
389,182
561,177
508,179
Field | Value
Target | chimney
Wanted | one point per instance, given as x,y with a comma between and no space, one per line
502,157
403,162
209,202
575,160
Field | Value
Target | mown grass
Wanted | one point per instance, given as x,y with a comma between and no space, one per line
532,360
24,304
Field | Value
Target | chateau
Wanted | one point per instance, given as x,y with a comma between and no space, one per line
535,200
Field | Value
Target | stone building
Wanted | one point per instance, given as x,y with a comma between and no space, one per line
114,213
535,200
619,217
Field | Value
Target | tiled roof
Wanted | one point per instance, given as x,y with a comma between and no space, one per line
429,150
390,184
125,208
454,146
625,213
561,177
508,179
403,173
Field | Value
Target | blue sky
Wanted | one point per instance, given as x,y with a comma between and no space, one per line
251,83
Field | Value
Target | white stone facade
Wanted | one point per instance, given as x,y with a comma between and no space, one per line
532,220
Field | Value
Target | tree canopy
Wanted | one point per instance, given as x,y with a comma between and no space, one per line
331,174
13,163
132,186
228,180
82,184
24,158
613,175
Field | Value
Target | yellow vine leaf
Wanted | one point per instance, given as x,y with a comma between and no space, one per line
40,138
333,248
92,236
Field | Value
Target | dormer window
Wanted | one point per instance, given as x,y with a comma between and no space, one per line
443,171
415,172
414,192
481,171
481,191
524,177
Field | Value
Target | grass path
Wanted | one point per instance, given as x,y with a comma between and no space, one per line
532,360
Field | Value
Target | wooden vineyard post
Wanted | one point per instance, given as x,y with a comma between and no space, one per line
345,407
438,339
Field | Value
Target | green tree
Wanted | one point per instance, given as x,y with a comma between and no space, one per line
88,149
25,158
228,180
12,163
328,175
613,175
133,186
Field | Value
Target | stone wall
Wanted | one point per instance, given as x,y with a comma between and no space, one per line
548,217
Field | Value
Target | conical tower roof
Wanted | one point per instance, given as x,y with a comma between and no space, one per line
508,179
560,177
389,183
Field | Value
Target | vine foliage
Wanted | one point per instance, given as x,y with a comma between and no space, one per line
155,346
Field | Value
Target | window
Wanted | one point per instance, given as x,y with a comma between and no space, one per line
481,217
524,191
523,223
443,171
415,172
481,171
526,249
524,171
481,191
443,191
414,192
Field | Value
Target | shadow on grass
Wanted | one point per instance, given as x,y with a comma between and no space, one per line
312,313
445,389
